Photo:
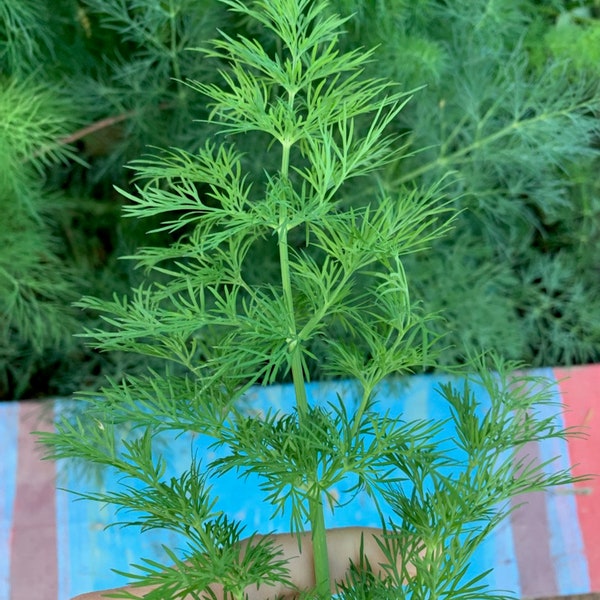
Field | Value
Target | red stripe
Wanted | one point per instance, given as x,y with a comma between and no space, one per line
34,567
580,390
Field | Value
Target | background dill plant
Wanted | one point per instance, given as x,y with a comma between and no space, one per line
514,115
508,104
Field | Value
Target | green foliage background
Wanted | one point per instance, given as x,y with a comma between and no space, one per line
506,104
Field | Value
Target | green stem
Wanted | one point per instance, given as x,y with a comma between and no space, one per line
358,414
320,553
181,92
478,143
316,506
286,283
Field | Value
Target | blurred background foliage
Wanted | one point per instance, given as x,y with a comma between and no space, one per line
505,101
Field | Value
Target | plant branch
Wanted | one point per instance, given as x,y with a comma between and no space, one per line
448,159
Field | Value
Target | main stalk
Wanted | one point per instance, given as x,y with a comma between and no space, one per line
316,504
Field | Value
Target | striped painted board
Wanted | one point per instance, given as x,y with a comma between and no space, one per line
53,547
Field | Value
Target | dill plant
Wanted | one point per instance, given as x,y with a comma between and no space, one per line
514,116
36,284
508,105
340,299
84,87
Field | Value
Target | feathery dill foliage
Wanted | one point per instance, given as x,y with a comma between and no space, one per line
84,87
36,284
514,116
24,36
36,287
340,298
144,47
507,102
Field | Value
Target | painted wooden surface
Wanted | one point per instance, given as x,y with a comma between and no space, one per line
53,547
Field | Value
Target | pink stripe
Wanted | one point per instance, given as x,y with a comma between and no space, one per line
531,532
580,389
34,569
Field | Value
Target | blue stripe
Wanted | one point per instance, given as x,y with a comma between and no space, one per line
566,539
62,522
86,553
497,550
62,499
63,550
9,428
